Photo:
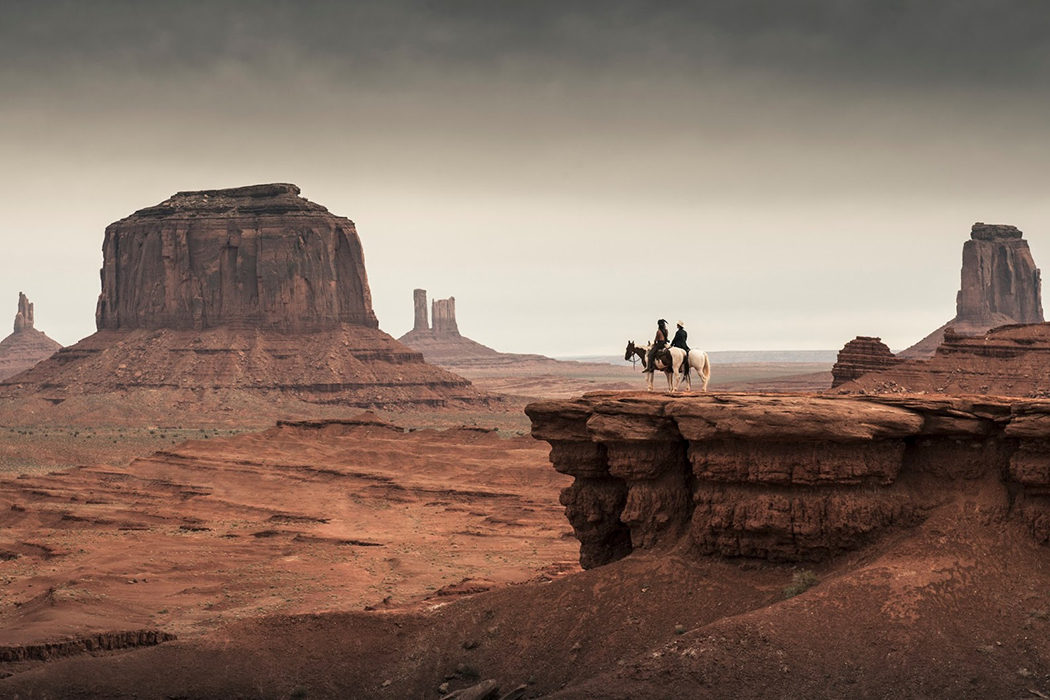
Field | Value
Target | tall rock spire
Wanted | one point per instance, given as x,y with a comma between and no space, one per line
24,316
1000,285
419,296
999,277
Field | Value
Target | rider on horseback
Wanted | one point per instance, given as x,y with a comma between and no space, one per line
659,343
679,341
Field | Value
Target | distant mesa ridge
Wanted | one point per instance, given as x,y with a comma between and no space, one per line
245,257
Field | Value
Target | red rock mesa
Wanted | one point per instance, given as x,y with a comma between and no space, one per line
251,289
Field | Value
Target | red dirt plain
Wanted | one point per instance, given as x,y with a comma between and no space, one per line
295,519
307,561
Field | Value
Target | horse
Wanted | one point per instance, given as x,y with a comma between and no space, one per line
633,349
672,362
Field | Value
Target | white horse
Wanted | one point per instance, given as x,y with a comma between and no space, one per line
672,362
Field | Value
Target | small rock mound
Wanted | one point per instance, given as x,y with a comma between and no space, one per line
860,355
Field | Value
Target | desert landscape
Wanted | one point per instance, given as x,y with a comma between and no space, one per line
259,471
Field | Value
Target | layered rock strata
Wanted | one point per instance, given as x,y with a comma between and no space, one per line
26,346
1011,360
1000,285
780,477
246,257
253,290
860,355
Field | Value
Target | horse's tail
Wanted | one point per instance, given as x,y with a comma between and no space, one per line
705,373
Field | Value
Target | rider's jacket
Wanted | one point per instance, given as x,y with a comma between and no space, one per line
679,340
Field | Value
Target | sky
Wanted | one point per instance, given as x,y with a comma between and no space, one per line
778,174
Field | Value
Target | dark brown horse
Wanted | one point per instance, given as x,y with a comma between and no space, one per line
632,350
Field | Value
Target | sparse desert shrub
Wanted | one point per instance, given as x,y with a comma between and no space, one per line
801,581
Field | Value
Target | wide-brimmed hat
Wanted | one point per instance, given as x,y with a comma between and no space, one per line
662,322
681,324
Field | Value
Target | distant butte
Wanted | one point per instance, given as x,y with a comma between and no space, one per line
443,344
26,346
996,344
1000,285
250,301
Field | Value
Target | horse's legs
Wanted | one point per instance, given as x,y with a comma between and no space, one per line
649,381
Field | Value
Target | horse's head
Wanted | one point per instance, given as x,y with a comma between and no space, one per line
629,351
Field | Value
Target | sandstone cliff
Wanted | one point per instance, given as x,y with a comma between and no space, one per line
783,477
26,346
249,299
1000,284
247,257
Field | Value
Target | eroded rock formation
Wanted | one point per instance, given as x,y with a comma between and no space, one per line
247,257
999,278
1000,285
860,355
422,323
1010,361
444,317
24,315
26,346
783,477
251,290
439,339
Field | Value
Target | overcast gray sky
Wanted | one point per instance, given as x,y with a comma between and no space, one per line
781,175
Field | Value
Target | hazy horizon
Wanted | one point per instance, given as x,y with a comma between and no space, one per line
778,175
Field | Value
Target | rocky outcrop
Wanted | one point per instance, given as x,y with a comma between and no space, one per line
860,355
442,342
26,346
1010,360
24,315
247,257
782,477
444,315
422,323
999,277
252,290
102,641
1000,285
